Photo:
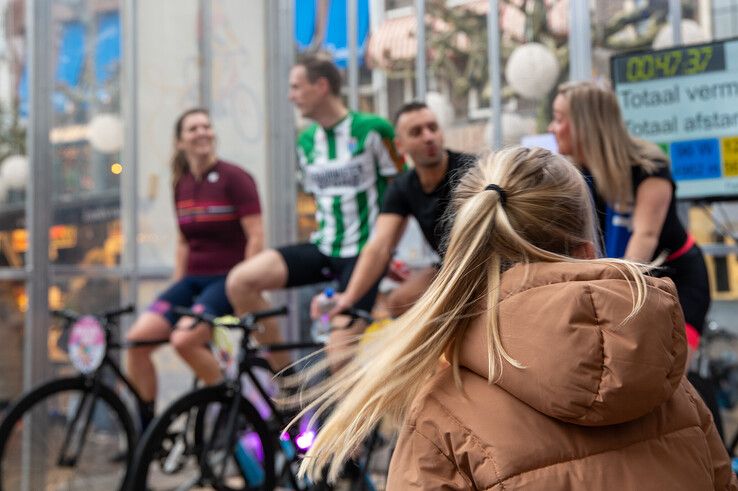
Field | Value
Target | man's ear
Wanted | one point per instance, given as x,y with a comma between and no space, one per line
584,251
325,87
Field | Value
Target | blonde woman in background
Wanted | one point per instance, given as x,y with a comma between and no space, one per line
635,202
631,177
563,371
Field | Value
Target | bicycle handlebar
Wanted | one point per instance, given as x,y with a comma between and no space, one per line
255,317
71,316
112,314
358,314
245,322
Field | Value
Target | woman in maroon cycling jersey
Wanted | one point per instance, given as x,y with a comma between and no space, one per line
219,219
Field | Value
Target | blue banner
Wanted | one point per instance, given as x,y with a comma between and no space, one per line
309,16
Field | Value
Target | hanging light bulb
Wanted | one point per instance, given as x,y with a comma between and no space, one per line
532,70
105,133
14,171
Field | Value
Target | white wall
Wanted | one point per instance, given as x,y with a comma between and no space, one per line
168,84
239,87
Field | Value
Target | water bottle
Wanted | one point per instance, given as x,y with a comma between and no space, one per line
252,470
321,328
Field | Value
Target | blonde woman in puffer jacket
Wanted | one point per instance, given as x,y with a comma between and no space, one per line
560,371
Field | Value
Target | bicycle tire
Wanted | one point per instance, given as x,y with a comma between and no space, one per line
107,452
142,473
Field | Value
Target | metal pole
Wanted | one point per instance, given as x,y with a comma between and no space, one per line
379,78
129,183
495,75
205,46
580,41
38,209
420,69
281,179
675,18
353,58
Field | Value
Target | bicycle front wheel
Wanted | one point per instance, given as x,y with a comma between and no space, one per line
67,434
190,446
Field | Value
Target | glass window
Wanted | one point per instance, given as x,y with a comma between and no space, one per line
534,60
169,74
13,304
13,120
724,17
87,134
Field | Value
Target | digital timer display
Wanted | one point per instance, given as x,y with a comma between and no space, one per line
685,99
677,62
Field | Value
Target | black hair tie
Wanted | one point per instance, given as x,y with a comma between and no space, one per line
501,192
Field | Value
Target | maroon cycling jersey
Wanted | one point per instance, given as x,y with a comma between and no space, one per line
209,213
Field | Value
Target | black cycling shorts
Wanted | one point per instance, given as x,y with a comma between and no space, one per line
689,274
203,293
306,265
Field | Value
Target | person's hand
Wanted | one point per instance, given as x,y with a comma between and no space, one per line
342,302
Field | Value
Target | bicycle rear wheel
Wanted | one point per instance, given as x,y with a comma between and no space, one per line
67,434
188,446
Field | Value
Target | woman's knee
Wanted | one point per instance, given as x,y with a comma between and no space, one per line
149,327
184,340
264,271
240,282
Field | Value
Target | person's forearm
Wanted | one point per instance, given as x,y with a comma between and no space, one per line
370,267
641,247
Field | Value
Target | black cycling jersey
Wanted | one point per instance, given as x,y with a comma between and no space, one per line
673,235
688,270
405,196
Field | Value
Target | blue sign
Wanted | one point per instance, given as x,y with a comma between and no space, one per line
322,24
695,159
71,58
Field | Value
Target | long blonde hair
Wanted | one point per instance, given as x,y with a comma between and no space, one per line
547,215
600,135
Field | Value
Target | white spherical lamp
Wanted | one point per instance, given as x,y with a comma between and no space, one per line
441,107
532,70
14,171
105,133
692,33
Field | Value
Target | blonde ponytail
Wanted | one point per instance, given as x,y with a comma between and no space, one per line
546,215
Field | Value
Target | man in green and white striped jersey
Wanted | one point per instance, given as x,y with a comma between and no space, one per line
346,159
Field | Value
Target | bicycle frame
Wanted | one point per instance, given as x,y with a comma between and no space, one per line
250,359
94,380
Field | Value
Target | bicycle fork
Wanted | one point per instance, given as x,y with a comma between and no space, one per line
85,409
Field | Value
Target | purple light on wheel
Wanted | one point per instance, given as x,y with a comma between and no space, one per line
305,439
252,442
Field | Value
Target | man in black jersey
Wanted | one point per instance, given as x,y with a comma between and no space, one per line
423,192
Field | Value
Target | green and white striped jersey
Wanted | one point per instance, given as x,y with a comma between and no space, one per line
345,167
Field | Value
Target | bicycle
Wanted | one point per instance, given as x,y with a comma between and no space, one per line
716,360
80,429
236,444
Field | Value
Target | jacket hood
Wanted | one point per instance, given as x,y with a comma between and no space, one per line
582,364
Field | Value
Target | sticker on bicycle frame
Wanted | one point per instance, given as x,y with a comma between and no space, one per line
225,351
86,344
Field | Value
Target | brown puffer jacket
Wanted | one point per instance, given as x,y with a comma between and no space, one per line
598,406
